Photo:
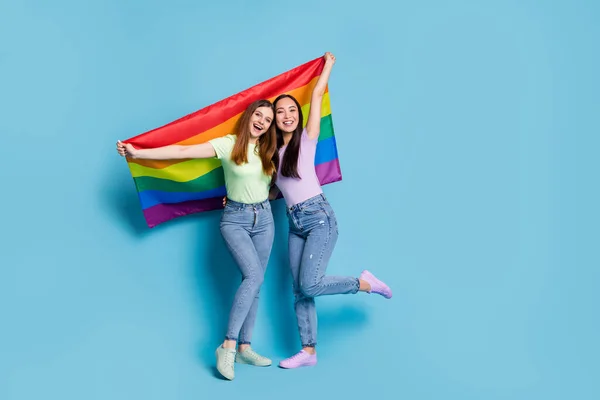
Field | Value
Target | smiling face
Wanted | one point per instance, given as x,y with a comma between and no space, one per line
260,121
287,114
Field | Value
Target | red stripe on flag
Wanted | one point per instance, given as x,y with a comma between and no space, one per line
219,112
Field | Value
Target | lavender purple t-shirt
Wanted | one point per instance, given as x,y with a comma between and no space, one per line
298,190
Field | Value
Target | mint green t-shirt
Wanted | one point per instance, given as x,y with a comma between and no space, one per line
245,183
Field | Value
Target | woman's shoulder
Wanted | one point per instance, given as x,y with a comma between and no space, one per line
225,138
307,138
223,145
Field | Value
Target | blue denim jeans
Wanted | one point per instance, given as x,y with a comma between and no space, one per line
248,231
312,237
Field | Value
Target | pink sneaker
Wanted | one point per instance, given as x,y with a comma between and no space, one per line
377,286
301,359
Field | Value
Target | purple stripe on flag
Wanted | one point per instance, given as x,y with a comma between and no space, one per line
329,172
163,212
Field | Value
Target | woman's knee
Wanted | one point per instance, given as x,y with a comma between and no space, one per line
310,289
255,280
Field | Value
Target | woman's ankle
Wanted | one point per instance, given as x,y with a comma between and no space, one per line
229,344
310,350
363,286
243,347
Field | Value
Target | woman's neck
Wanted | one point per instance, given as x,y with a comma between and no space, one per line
252,140
287,136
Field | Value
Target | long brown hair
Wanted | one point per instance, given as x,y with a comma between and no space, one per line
289,163
266,143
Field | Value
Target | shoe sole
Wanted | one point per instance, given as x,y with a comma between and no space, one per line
298,366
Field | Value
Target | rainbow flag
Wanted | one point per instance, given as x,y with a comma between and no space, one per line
174,188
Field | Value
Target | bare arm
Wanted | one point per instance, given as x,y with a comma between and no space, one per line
174,152
313,125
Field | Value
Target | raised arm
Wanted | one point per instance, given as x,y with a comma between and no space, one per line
313,125
175,152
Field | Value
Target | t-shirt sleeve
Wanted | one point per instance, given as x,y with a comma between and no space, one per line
223,145
305,137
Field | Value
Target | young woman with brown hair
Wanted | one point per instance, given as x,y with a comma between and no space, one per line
313,225
247,222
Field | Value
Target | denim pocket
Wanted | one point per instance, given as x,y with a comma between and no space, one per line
313,208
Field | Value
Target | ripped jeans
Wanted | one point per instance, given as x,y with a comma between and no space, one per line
312,237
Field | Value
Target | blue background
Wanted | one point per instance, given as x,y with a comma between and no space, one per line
468,136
